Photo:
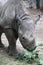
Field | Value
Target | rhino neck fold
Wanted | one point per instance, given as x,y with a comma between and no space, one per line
17,1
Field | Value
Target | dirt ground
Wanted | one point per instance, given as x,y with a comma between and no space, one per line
39,39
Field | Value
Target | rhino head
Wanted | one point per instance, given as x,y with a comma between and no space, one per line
27,33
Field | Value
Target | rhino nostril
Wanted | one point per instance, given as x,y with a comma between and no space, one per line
23,38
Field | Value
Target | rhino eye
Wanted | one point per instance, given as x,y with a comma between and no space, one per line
31,35
23,38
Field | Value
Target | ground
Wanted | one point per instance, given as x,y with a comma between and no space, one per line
8,60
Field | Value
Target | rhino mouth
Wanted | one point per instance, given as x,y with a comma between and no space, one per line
30,46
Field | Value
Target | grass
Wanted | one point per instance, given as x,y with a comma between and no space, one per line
7,60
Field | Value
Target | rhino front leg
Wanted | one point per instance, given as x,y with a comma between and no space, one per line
12,42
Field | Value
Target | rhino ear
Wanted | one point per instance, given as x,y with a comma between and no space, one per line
37,19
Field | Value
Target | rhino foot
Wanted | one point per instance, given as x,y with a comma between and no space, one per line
12,51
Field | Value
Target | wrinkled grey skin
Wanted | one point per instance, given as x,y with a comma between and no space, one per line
16,22
35,4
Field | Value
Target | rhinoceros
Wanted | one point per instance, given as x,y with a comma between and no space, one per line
16,23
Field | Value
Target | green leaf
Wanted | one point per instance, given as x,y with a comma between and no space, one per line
40,45
27,53
29,61
20,56
35,54
41,61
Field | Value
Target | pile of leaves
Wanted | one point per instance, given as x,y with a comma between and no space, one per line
31,57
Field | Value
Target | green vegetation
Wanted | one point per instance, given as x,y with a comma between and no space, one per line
31,57
26,58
